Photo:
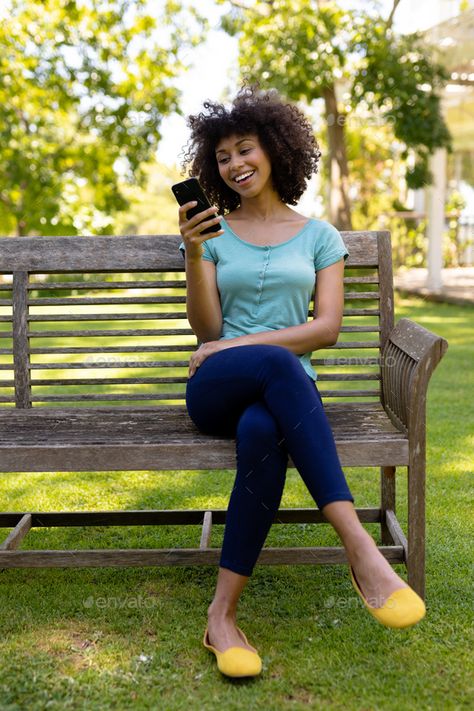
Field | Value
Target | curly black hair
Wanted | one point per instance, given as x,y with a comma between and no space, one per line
284,133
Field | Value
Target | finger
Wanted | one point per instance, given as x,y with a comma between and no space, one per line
201,226
200,216
211,235
183,210
187,206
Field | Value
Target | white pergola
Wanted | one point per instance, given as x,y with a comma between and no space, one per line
454,39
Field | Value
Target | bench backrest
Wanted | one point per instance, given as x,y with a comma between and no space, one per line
115,332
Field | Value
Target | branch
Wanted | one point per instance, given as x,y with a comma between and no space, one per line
389,22
250,7
240,5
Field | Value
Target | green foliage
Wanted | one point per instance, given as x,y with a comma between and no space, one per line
302,47
409,242
292,45
152,208
453,244
396,76
83,90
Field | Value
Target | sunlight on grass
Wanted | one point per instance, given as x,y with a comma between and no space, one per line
130,638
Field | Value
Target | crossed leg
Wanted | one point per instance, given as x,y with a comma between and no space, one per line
262,395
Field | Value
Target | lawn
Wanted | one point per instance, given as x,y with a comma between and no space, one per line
131,638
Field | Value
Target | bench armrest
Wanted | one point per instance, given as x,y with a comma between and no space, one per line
409,358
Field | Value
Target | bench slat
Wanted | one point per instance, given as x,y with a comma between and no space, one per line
92,285
126,316
171,348
81,301
150,380
178,556
20,340
164,517
359,312
151,253
354,344
92,333
145,284
356,295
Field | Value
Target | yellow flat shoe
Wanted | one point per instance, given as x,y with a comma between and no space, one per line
403,608
235,661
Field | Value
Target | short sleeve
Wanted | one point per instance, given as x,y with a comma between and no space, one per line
330,248
207,254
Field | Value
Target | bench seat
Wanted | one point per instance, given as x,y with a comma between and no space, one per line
94,352
149,438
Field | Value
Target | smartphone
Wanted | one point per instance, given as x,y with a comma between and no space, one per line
189,190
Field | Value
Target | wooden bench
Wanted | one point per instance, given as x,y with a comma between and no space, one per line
125,304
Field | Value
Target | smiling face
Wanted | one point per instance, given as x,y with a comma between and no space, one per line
243,165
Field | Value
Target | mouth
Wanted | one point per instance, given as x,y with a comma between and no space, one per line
244,178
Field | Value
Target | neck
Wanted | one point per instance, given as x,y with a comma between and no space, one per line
263,207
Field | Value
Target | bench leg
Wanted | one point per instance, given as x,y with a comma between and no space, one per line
416,525
387,500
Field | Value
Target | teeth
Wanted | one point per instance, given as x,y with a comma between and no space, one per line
243,176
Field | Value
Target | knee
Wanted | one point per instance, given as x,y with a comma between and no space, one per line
280,360
257,426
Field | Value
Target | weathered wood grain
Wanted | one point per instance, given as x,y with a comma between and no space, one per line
150,253
21,359
206,530
54,428
164,437
177,556
167,517
15,537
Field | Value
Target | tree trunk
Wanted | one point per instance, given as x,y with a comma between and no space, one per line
339,204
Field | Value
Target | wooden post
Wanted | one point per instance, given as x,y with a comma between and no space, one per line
387,486
206,530
21,350
15,537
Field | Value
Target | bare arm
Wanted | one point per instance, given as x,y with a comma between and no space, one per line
203,306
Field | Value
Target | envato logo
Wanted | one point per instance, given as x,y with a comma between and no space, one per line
113,360
388,361
346,603
359,121
119,603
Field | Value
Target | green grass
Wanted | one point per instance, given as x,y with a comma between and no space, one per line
131,638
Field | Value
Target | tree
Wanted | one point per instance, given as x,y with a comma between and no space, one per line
307,48
83,89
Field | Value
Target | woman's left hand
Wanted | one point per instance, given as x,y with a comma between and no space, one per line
205,350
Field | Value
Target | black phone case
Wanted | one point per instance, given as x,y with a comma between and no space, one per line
189,190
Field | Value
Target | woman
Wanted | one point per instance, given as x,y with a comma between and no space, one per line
248,291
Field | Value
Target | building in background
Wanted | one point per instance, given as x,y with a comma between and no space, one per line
454,39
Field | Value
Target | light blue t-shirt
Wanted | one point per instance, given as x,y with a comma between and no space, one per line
266,288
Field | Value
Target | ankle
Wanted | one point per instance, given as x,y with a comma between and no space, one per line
359,546
220,612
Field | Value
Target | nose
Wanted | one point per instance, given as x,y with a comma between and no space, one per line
236,162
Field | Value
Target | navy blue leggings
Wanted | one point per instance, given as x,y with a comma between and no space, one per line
262,396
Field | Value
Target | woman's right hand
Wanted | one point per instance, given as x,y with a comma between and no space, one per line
191,229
